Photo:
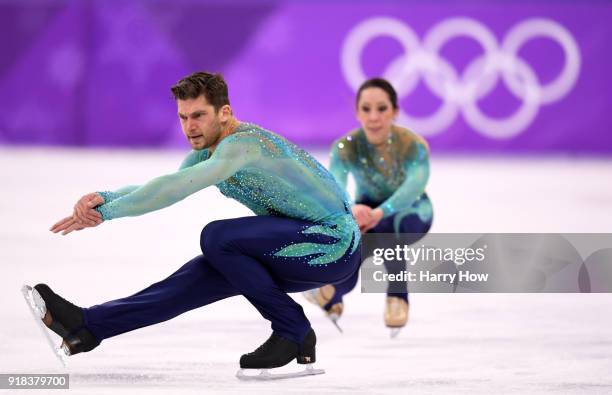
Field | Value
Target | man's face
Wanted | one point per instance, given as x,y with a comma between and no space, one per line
199,121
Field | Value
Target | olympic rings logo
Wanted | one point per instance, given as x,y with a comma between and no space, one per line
462,92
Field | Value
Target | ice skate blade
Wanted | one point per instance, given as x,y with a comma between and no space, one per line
37,307
395,332
309,296
265,374
334,319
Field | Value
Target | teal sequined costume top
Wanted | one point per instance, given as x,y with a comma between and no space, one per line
394,174
266,173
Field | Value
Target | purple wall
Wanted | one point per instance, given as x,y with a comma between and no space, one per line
472,76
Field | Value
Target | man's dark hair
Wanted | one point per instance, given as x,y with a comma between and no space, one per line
382,84
212,86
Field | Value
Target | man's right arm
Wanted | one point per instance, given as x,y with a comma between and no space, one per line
82,209
193,158
109,196
231,155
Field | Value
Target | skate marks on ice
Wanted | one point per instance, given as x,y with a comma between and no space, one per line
123,378
38,309
275,374
123,372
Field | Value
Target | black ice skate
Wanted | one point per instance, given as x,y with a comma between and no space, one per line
277,352
61,317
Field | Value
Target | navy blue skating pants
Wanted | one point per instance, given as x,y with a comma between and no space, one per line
237,259
412,228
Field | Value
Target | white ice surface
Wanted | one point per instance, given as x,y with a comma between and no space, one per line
454,343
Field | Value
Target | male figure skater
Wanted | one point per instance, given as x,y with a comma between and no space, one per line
303,234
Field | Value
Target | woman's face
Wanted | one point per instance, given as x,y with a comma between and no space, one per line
376,114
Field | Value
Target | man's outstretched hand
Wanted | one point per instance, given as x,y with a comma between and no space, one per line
70,224
83,216
84,209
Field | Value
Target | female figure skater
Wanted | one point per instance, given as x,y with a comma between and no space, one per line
390,165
